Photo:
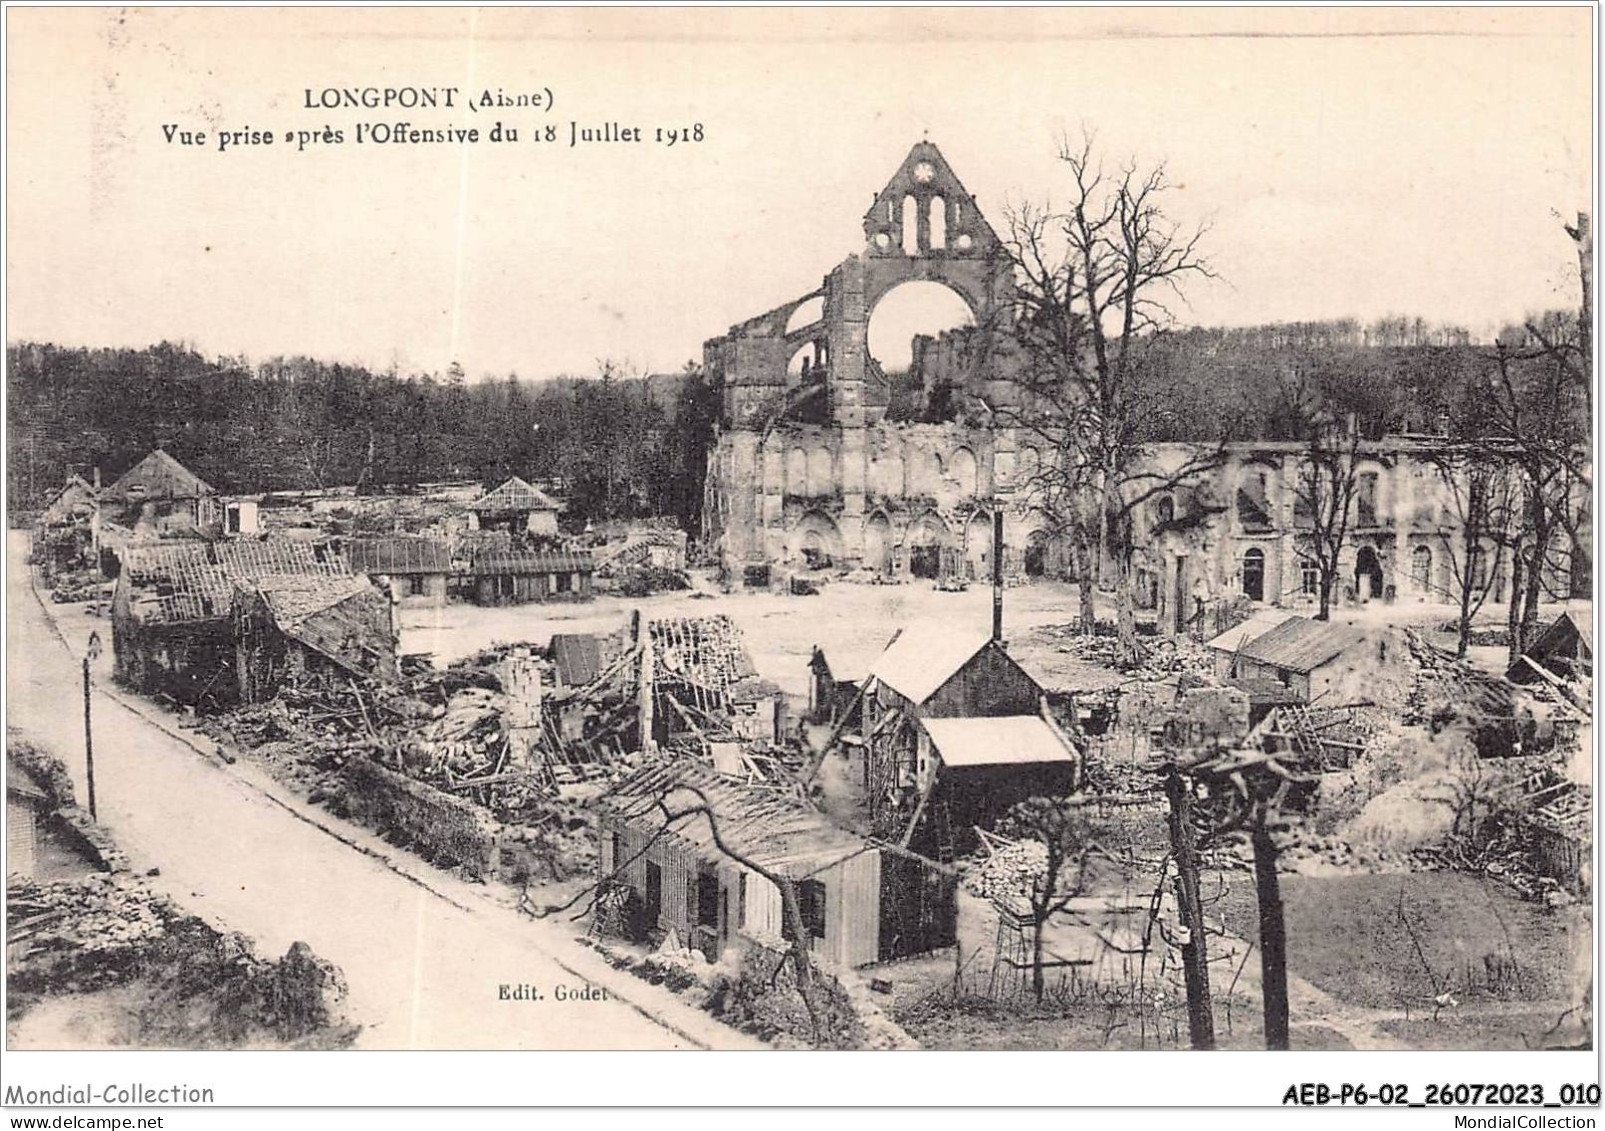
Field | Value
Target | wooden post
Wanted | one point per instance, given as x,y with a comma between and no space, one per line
89,745
643,640
997,576
1194,955
1273,939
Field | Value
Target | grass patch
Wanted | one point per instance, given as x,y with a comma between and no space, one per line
1479,939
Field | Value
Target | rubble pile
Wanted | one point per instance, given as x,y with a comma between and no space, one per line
81,935
1304,852
308,734
642,579
197,986
1009,872
1442,684
1160,656
78,586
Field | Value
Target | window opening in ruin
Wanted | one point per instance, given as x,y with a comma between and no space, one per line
1254,574
807,313
1421,568
1309,577
911,226
417,585
1253,508
1366,499
938,222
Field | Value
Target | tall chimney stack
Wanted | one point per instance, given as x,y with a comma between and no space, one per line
997,576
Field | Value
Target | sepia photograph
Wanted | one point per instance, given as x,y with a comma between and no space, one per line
765,529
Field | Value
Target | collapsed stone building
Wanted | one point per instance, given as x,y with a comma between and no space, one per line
825,459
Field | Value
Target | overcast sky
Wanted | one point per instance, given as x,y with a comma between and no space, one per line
1344,174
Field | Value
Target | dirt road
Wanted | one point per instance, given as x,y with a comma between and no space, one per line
423,973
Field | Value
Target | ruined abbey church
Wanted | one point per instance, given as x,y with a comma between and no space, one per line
825,457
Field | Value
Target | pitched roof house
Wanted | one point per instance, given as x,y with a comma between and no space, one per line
954,731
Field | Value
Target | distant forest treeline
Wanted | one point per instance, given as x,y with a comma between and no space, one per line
622,446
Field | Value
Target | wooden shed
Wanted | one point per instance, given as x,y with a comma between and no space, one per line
1563,651
517,577
861,902
1310,657
976,768
931,670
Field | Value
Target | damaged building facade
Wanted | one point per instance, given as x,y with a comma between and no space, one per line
826,460
217,624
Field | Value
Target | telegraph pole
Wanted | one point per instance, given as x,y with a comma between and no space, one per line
1189,908
1272,937
89,735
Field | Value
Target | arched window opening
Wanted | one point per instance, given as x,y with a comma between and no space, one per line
938,222
911,226
1254,574
1421,569
806,314
919,307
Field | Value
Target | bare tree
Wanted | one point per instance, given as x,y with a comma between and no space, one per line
1089,305
1324,491
1482,497
1060,825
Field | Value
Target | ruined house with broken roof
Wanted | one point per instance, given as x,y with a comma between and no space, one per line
954,732
215,624
516,507
861,902
704,682
161,498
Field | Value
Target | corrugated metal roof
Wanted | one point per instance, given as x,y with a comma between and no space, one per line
925,656
761,822
556,561
577,656
1254,627
398,555
514,495
1301,645
1007,741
